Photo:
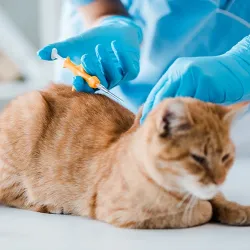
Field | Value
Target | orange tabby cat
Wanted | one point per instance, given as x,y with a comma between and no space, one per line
83,154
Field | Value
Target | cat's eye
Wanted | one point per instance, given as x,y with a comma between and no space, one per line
199,159
225,157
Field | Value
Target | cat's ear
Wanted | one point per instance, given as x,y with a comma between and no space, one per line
138,116
175,118
136,123
235,111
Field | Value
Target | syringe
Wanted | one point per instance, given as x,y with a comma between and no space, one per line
78,70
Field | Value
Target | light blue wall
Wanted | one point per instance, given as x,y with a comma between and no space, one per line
25,14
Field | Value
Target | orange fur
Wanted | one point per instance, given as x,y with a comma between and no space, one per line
83,154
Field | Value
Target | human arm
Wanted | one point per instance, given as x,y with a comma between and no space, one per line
93,11
218,79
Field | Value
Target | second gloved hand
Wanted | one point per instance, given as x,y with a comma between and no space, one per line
110,51
219,79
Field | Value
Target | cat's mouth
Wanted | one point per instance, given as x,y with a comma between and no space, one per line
207,192
192,185
201,191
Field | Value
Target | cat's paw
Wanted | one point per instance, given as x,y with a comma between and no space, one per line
200,214
48,209
232,214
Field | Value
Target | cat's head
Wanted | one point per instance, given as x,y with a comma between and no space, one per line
188,145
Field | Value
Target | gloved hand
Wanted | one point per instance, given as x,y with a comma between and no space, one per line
110,51
220,79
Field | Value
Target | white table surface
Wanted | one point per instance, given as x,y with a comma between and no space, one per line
27,230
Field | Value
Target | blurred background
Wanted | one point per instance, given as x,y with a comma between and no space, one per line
25,26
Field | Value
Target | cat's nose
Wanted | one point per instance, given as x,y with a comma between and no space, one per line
219,180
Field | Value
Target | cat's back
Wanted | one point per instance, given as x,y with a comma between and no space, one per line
62,123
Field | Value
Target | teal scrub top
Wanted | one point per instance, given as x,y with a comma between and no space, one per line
172,29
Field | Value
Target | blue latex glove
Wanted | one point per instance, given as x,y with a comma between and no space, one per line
219,79
110,51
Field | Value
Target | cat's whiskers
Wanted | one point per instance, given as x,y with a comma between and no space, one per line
185,197
193,203
188,207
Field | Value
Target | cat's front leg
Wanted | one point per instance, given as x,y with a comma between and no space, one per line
186,216
230,213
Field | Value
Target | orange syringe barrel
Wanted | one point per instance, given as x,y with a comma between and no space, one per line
78,70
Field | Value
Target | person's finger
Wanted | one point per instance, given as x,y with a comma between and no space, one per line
232,87
187,86
216,94
93,67
81,85
168,90
129,60
62,49
150,101
202,90
111,67
165,88
45,53
207,90
68,47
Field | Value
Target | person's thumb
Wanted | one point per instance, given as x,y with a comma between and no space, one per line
45,52
64,48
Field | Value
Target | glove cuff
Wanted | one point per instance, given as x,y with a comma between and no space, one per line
241,50
123,20
79,3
